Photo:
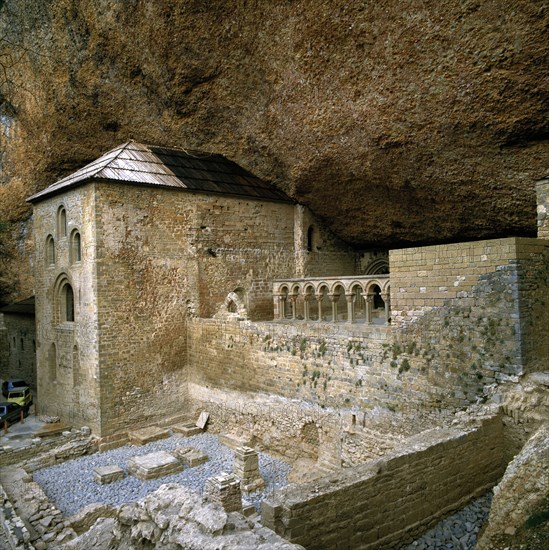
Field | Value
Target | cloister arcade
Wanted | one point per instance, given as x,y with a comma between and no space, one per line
357,299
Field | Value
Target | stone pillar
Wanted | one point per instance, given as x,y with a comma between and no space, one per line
246,469
225,490
293,298
368,299
385,297
319,300
350,307
306,306
280,305
334,298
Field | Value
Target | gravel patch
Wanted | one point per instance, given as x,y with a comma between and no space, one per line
71,485
458,531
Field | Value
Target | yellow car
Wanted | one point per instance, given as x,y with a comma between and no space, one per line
21,396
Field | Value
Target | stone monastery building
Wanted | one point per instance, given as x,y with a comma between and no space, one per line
170,282
132,246
167,278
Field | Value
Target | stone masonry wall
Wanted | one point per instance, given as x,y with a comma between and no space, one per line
470,314
386,503
240,245
67,352
533,299
328,255
324,364
19,353
144,277
293,429
542,192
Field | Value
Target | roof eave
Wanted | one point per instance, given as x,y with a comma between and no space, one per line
45,194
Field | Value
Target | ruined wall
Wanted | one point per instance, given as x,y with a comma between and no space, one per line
18,348
387,502
470,314
251,376
330,365
67,351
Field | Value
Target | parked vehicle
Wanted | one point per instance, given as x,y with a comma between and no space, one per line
21,396
10,412
8,385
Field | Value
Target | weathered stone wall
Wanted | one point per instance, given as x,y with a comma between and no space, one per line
469,314
318,252
144,277
240,245
67,352
40,452
326,364
295,429
18,348
387,502
542,193
532,258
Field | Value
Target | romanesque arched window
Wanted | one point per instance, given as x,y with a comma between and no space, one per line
61,222
50,250
310,238
67,303
75,251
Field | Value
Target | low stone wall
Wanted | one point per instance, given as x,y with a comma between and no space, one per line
48,451
386,503
294,429
12,529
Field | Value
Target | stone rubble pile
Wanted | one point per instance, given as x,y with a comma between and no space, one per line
177,517
458,531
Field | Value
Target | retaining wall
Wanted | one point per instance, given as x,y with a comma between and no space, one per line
388,502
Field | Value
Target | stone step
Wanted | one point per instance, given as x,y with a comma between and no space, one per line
147,435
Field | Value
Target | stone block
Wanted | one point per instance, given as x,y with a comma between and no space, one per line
187,429
224,489
202,420
154,465
248,509
147,435
190,456
234,441
246,468
107,474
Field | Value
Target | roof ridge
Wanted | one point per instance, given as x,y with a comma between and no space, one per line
115,157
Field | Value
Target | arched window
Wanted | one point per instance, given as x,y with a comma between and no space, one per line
75,248
61,222
67,303
310,236
52,363
50,250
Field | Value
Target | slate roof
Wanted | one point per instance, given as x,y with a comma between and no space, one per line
139,164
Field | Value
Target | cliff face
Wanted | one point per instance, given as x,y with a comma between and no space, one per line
396,122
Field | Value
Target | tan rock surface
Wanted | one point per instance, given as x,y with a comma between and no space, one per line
395,124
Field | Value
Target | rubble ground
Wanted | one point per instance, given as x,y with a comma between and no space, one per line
71,485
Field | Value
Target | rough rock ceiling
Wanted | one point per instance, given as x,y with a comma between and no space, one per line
396,122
